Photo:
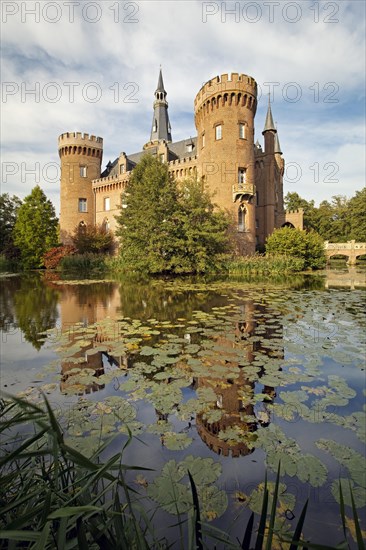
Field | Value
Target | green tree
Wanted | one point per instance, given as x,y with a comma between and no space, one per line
166,229
308,246
9,207
357,216
35,229
205,229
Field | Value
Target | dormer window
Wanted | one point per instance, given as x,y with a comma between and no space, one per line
189,147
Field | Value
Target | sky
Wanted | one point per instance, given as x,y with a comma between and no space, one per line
92,66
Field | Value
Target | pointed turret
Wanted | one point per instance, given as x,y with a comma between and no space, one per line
160,87
269,131
277,146
160,129
269,124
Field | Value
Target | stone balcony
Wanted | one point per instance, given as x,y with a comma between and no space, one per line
243,190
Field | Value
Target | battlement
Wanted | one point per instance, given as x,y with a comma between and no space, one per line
78,143
227,83
182,160
69,138
298,211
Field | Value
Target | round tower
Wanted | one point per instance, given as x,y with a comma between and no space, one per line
224,116
81,159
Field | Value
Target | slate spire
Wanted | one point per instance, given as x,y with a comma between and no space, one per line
160,129
269,124
277,146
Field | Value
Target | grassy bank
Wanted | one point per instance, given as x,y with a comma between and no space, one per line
264,265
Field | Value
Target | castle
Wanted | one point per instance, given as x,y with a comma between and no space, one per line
244,178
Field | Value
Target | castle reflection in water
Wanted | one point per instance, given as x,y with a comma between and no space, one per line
234,396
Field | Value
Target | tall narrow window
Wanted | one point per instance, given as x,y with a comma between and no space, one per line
83,205
122,169
241,218
162,157
107,203
83,171
241,175
218,131
155,126
203,140
242,131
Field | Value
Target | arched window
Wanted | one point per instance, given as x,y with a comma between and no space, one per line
241,217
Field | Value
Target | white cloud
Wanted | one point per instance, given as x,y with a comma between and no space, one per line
325,59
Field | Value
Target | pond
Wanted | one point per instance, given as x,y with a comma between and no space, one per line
226,378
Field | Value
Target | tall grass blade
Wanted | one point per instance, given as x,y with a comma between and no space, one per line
273,509
42,541
81,535
62,534
263,517
248,533
299,526
197,516
360,543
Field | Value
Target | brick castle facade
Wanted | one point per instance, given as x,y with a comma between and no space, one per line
244,178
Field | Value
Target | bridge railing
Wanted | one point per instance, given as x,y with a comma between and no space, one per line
350,245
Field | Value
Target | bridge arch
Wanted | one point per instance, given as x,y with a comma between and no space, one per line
351,250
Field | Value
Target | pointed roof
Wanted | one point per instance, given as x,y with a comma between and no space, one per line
160,87
277,146
269,124
160,129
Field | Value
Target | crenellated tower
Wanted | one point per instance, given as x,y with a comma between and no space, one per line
224,116
81,158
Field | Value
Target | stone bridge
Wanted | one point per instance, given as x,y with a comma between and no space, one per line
351,249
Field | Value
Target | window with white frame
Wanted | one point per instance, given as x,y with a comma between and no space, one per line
122,169
241,175
218,132
107,203
83,171
242,131
83,205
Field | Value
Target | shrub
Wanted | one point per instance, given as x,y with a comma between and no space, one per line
93,239
308,246
53,257
264,265
84,263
